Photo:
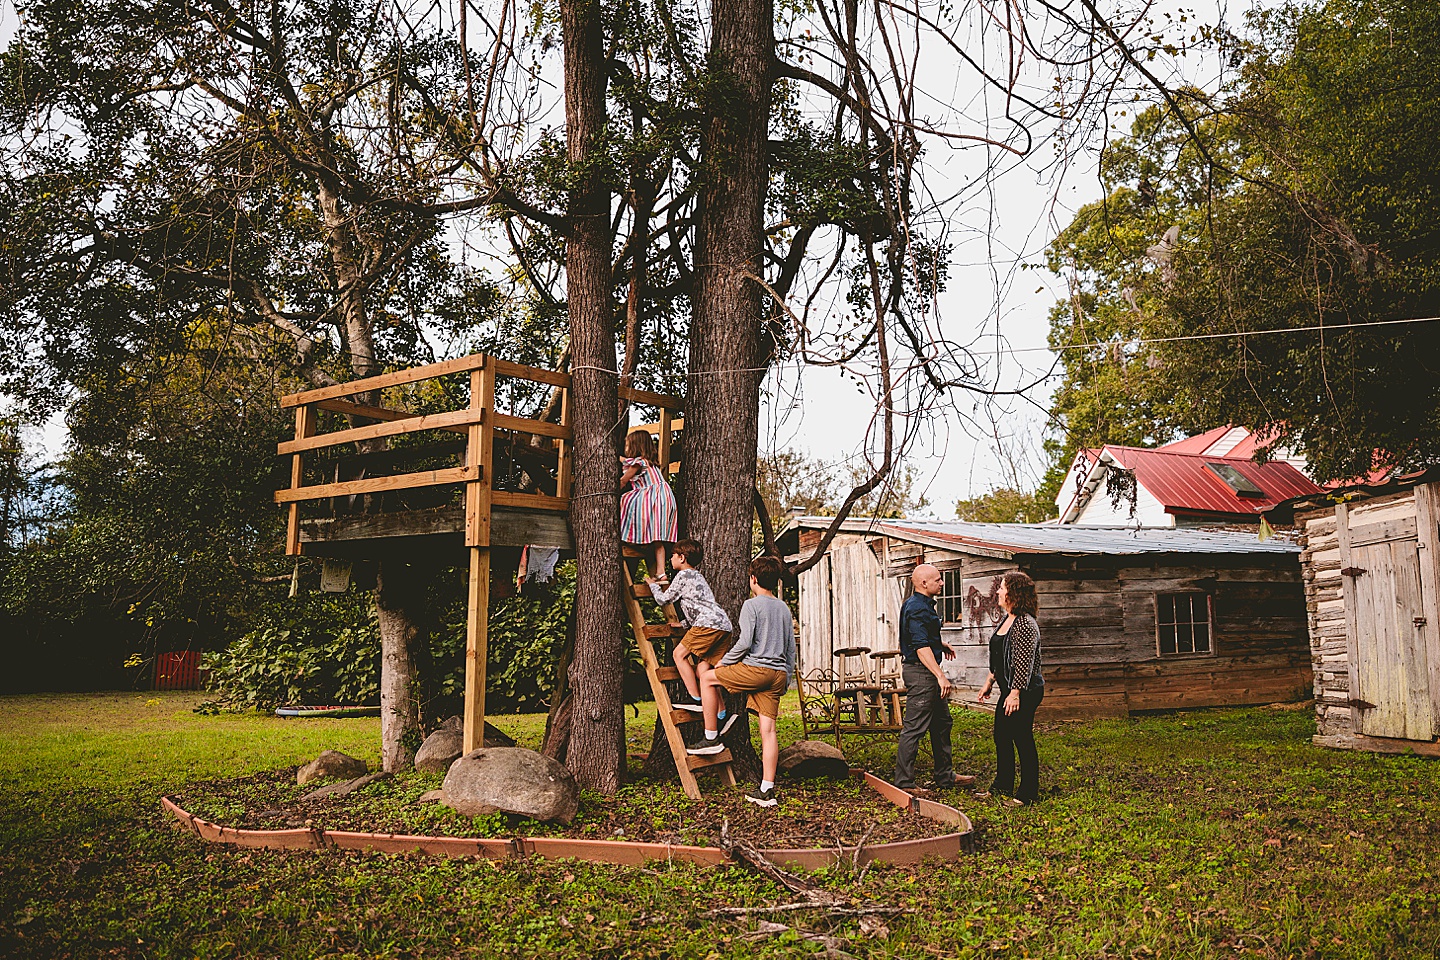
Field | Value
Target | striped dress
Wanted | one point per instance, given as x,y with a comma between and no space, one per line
647,510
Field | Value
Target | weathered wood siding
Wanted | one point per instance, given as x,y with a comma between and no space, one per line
814,643
1097,620
1372,575
846,601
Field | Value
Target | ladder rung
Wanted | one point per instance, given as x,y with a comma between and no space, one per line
699,763
685,716
658,631
667,673
632,553
641,591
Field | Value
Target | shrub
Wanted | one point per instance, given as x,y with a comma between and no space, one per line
318,649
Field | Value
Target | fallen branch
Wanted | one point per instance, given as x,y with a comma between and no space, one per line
831,944
814,898
855,858
859,910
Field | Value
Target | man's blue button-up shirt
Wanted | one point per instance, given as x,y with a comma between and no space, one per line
919,627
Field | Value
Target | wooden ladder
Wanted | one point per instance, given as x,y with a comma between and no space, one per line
670,718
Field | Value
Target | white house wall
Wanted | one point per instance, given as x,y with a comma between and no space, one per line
1149,512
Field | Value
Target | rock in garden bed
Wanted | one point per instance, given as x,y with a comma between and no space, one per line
813,814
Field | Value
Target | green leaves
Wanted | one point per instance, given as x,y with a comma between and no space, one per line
1320,210
320,650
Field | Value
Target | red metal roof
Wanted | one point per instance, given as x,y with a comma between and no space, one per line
1197,443
1182,484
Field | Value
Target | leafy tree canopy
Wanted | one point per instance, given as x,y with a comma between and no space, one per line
1005,505
1301,197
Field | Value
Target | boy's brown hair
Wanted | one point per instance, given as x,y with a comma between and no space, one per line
691,550
767,572
639,443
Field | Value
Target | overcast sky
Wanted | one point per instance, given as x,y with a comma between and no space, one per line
988,303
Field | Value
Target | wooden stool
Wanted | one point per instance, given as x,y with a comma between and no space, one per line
895,705
888,677
887,668
856,692
852,674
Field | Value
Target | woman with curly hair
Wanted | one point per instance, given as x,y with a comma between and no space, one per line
1015,666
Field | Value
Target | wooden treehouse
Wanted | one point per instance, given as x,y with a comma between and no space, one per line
425,461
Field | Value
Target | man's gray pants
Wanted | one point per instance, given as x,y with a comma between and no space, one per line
925,710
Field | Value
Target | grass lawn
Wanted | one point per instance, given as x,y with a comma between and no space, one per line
1208,834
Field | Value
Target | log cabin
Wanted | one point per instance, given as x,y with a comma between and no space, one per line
1371,568
1131,619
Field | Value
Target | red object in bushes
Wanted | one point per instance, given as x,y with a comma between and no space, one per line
178,671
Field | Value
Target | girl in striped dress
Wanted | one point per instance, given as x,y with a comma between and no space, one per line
648,515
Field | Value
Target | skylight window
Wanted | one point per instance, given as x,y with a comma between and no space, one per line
1235,480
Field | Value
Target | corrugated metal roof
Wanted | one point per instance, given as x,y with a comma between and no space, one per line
1016,538
1181,482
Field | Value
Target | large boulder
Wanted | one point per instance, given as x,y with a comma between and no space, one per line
511,780
331,765
812,760
444,746
494,736
440,749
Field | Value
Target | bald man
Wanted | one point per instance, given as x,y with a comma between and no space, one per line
928,689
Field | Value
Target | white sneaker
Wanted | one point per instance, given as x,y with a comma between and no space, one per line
727,722
687,704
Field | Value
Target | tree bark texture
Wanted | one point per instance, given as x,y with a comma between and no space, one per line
596,751
722,409
399,601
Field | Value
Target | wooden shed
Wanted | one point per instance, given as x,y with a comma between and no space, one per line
1131,619
1371,563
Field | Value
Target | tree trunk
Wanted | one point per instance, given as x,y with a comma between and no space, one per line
722,409
596,751
556,743
399,601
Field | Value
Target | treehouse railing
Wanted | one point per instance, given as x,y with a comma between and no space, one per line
478,421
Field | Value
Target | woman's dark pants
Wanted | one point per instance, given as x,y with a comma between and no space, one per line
1016,733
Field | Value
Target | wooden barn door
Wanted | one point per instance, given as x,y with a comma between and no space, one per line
855,584
1386,625
817,633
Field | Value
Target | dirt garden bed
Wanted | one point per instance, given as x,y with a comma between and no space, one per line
822,814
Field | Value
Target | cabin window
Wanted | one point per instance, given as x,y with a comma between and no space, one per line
1183,624
951,603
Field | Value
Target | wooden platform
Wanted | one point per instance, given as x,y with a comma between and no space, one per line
438,528
489,479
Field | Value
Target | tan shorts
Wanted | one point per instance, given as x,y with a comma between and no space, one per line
764,685
707,643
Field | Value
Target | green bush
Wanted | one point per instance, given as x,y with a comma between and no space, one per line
317,649
325,648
